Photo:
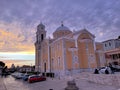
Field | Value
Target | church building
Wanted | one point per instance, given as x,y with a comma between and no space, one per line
68,51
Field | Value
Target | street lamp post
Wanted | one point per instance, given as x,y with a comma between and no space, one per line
52,69
39,68
59,66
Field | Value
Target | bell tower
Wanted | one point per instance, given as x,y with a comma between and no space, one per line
41,33
40,37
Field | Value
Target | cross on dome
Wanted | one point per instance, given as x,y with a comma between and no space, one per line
62,23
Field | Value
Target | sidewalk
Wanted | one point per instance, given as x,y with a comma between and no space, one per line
2,85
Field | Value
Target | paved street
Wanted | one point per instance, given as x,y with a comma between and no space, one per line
2,85
55,84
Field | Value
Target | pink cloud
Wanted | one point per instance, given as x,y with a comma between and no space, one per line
13,38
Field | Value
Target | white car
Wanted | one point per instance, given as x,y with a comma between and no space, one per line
18,75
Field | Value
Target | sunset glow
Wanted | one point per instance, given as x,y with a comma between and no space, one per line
17,56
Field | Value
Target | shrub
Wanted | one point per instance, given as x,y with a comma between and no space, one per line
106,71
96,71
48,74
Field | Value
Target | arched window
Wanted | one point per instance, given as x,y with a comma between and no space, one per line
52,64
109,44
105,45
42,36
59,62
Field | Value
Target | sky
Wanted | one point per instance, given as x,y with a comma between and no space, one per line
19,19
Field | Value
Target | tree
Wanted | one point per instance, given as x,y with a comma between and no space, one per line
4,71
2,64
12,66
96,71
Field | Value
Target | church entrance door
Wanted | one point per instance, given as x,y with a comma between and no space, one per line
44,67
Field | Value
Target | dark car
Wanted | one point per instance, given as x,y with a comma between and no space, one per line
25,77
36,78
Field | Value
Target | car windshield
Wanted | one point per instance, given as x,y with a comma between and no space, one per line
33,76
37,76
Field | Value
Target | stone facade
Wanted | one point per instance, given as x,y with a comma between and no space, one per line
68,52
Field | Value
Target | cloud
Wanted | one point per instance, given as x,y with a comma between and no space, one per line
3,57
19,19
15,39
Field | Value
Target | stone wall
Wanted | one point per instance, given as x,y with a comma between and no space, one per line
110,79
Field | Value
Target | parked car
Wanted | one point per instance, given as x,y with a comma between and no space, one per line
25,77
103,70
36,78
18,75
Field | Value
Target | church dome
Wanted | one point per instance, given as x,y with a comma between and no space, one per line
61,31
62,28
